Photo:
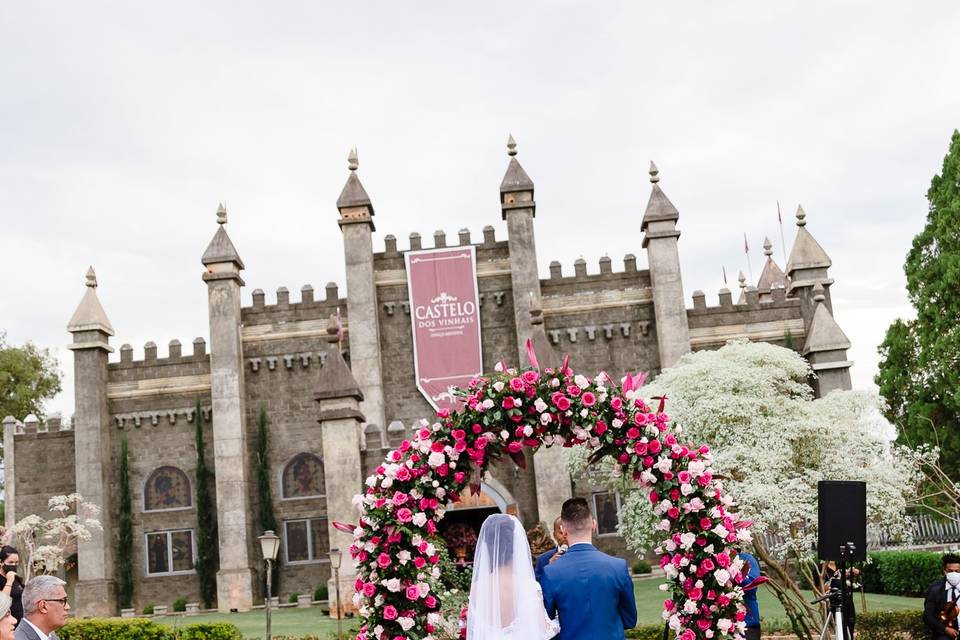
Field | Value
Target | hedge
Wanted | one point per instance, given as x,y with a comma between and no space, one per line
646,632
891,625
901,573
141,629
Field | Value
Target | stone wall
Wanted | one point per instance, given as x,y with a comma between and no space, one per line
44,467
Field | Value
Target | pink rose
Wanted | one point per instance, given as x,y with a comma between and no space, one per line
404,515
530,376
703,623
369,589
403,474
695,593
588,399
419,562
516,384
640,448
413,593
508,401
633,433
383,560
400,498
655,447
673,513
431,602
563,403
601,428
723,560
668,605
573,390
390,612
515,447
684,477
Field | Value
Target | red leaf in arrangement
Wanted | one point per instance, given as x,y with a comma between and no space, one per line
663,400
532,355
518,459
345,527
564,366
628,383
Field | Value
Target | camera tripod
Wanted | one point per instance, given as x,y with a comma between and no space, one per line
837,597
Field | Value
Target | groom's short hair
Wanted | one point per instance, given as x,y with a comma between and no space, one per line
575,515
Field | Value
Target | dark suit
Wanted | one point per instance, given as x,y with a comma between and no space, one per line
933,604
592,593
542,561
26,632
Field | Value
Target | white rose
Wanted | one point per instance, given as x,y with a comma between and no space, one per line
405,622
393,585
540,405
722,576
528,431
498,386
687,539
724,624
721,531
488,404
419,518
403,556
436,459
686,489
690,606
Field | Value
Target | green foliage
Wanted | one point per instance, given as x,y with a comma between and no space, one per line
148,609
452,575
901,573
321,592
642,566
125,532
28,376
180,605
918,376
206,565
891,625
293,597
140,629
647,632
267,520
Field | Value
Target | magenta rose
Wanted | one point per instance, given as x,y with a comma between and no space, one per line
516,384
369,589
404,515
383,560
563,403
588,399
412,592
390,612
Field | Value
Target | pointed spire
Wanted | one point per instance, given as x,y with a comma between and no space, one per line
807,252
354,203
336,379
767,247
824,333
742,299
515,179
90,315
221,248
659,207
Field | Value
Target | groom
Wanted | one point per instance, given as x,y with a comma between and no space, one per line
591,591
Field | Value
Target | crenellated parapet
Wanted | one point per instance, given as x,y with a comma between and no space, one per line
766,315
310,305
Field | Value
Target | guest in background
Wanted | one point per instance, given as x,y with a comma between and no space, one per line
940,594
549,556
45,609
7,621
831,577
10,583
751,573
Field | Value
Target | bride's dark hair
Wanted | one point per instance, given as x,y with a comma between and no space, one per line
497,533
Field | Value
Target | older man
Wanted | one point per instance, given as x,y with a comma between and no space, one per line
45,609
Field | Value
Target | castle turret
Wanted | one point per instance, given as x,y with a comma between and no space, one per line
772,276
234,515
518,209
660,240
807,265
356,223
97,588
826,348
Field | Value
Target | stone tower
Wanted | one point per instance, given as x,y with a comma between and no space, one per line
660,235
222,275
97,587
356,223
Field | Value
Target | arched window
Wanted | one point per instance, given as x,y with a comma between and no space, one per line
302,477
167,488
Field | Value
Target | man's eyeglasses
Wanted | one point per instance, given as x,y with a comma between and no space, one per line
62,601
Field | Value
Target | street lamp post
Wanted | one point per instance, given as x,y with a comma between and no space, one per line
269,545
335,559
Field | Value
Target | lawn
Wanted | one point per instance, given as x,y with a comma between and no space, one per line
302,622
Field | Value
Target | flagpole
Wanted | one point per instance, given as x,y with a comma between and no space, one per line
746,250
783,243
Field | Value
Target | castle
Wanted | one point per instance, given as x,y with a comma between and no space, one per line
337,399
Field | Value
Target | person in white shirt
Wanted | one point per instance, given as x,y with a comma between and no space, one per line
45,608
7,621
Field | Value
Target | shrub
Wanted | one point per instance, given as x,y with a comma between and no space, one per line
293,597
140,629
180,604
646,632
210,631
148,609
321,592
901,573
642,566
891,625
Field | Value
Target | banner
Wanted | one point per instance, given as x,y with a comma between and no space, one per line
445,317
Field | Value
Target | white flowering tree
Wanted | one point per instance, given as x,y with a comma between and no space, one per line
773,442
45,544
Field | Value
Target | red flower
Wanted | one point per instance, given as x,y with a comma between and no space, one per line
383,560
390,612
588,399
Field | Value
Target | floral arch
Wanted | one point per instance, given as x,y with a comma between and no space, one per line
505,413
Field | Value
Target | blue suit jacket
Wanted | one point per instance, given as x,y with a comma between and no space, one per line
542,561
592,593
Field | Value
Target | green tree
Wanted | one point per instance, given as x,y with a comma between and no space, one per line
28,377
207,552
267,520
919,375
125,532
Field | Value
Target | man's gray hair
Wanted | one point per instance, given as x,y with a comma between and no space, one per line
40,588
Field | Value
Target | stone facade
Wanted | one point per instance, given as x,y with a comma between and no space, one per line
337,398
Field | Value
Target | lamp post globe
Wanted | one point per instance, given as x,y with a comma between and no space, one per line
269,546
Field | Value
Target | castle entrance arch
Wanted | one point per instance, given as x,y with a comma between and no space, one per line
466,515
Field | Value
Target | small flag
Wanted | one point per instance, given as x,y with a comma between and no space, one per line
724,275
779,219
746,247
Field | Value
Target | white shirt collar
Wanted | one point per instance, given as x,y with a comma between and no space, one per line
577,544
40,634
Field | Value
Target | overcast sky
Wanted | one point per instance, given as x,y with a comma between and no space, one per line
122,125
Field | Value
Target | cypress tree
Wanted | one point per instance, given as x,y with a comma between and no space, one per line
267,520
125,532
206,565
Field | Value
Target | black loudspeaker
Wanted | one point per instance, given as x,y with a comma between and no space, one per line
842,518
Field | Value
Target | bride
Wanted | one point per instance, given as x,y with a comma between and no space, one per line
505,598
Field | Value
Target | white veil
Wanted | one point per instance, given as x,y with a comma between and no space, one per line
505,599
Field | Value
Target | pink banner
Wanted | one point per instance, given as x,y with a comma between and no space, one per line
445,315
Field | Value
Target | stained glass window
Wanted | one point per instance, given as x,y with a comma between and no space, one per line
167,488
303,477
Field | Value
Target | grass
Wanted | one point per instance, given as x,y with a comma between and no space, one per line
303,622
